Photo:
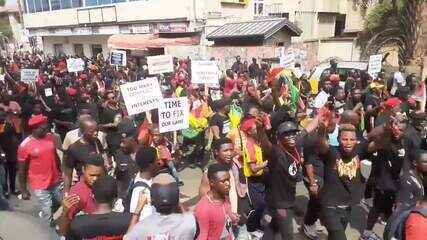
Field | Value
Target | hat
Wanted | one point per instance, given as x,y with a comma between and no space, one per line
392,102
286,127
71,91
334,78
37,120
164,193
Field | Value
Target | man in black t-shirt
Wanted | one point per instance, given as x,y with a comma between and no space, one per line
102,223
64,116
78,152
220,122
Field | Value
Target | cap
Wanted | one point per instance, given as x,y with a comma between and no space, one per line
286,127
164,193
37,120
392,102
71,91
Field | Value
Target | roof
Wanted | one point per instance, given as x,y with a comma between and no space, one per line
260,28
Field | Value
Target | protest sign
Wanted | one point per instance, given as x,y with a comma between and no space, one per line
173,114
118,58
141,96
29,75
375,64
204,72
75,65
287,61
160,64
48,92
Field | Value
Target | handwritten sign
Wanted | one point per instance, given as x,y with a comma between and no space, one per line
75,64
118,58
141,96
173,114
288,60
160,64
29,75
204,72
375,64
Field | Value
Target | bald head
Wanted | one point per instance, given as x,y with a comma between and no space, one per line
349,117
82,118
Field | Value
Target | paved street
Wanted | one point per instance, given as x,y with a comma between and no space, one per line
24,224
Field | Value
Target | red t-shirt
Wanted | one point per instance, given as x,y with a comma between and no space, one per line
87,200
43,169
212,219
415,227
229,85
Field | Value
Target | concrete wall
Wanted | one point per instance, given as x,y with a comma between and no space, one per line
68,44
127,11
345,50
354,19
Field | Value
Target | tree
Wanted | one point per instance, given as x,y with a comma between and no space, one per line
395,23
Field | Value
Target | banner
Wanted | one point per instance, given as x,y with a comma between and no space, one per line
287,60
29,75
160,64
204,72
375,64
141,96
75,64
118,58
173,114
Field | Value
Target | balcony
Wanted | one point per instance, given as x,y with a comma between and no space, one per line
235,2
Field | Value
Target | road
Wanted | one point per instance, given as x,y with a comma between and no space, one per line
24,224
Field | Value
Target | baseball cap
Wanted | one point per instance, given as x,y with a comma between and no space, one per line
164,193
37,120
286,127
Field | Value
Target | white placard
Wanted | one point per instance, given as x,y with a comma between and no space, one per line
160,64
141,96
173,114
48,92
118,58
29,75
287,61
375,64
204,72
2,77
75,64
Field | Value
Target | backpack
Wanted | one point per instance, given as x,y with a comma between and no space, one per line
127,199
395,228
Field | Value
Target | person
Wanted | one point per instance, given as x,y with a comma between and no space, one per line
4,203
213,211
168,221
146,160
126,167
254,69
237,66
219,123
412,183
64,112
399,81
102,223
81,194
38,161
78,151
416,223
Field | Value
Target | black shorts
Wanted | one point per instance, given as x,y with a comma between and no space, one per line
335,218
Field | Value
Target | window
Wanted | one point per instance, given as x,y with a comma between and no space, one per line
77,3
91,2
78,50
58,49
45,5
65,4
258,7
31,6
96,49
101,2
38,5
55,4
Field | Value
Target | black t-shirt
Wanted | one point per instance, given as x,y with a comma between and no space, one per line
64,112
78,152
340,189
97,225
311,153
222,122
9,139
284,173
411,189
125,171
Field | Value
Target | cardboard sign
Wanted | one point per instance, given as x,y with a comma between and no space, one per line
173,114
141,96
204,72
48,92
160,64
287,61
375,64
29,75
75,64
118,58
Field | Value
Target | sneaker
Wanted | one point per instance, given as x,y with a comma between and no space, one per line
310,231
180,183
369,235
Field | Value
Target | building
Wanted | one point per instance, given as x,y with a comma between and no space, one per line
83,27
11,24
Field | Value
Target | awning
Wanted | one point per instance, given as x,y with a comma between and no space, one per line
260,28
145,41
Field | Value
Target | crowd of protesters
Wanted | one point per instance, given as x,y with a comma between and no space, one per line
67,140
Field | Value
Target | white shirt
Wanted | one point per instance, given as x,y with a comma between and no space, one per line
148,208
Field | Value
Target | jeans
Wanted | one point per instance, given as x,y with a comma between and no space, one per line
280,227
4,204
335,220
313,209
49,199
173,171
383,203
